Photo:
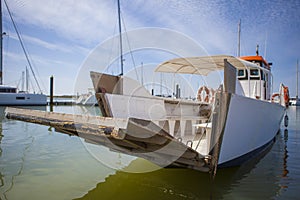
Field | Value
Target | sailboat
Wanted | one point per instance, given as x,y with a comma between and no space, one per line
9,95
296,101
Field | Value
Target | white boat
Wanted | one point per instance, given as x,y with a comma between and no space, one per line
230,126
10,95
227,127
88,99
223,127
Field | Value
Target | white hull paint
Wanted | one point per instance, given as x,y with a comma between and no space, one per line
250,125
22,99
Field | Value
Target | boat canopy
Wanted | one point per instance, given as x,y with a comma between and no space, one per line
203,65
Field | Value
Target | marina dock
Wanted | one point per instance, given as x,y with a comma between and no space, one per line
62,100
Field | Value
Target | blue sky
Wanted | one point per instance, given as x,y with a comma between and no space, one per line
60,35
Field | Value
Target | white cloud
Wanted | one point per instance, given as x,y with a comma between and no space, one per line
91,21
81,20
61,47
80,25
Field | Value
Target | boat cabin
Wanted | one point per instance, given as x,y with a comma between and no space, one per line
256,82
7,89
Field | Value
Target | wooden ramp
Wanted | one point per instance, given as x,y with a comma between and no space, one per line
131,136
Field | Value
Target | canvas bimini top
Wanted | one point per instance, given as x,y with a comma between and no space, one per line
203,65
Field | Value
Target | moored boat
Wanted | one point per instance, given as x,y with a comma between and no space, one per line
229,127
10,95
296,101
226,128
222,127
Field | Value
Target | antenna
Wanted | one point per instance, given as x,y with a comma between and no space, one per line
257,47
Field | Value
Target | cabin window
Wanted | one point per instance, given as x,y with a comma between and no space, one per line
242,74
254,74
20,98
8,90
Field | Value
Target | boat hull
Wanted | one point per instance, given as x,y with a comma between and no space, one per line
250,128
24,99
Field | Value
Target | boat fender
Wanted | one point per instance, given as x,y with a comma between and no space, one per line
286,120
203,88
286,96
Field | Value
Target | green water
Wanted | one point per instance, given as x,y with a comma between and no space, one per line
38,163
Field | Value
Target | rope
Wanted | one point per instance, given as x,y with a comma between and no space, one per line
130,50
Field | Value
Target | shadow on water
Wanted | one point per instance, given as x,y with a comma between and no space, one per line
173,183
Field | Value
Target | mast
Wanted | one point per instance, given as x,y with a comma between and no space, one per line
23,80
1,46
120,37
26,79
142,73
239,39
297,79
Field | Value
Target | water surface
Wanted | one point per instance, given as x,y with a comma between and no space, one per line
38,163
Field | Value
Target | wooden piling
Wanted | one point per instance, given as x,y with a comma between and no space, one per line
51,93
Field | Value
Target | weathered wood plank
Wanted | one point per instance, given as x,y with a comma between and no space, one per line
63,117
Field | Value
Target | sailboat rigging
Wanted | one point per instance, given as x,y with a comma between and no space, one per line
8,94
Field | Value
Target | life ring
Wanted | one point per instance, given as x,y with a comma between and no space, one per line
273,96
203,88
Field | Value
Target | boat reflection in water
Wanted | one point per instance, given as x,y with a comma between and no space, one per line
258,178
